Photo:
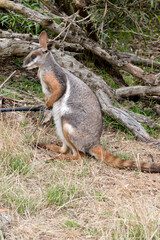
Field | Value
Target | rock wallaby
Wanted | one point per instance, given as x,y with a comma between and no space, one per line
76,110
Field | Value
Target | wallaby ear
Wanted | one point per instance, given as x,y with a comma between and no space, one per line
50,45
43,40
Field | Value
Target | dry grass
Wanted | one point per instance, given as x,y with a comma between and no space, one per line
83,199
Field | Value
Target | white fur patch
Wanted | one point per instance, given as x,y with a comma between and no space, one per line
64,107
33,63
57,119
44,85
59,109
69,128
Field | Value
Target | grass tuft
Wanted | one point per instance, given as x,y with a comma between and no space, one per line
59,194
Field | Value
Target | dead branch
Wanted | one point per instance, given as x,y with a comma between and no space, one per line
141,118
50,5
77,35
8,35
132,58
17,47
138,91
122,116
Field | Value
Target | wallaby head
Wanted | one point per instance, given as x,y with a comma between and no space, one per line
37,57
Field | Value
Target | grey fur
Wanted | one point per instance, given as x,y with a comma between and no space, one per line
85,117
84,114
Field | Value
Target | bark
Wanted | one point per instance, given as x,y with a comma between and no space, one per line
9,47
141,118
132,58
14,37
138,91
122,116
77,35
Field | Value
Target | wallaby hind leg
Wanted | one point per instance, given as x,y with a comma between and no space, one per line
71,157
54,148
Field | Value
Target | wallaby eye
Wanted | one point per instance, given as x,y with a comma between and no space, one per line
33,57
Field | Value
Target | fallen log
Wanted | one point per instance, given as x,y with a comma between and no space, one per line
138,91
75,34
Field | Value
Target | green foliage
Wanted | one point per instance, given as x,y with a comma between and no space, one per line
22,83
124,17
33,4
18,23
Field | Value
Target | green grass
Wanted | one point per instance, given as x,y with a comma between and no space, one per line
59,194
114,124
15,161
106,77
124,155
71,224
100,196
26,84
18,200
154,132
21,83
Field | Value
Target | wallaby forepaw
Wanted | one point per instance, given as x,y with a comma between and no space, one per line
49,104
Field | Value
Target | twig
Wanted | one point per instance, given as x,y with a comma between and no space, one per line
7,79
67,28
136,33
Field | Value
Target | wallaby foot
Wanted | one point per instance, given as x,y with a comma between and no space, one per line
54,148
71,157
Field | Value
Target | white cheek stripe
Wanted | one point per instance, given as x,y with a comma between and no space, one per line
32,64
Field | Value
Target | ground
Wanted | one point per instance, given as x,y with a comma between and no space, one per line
46,198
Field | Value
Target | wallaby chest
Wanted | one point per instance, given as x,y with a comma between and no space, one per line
49,82
45,88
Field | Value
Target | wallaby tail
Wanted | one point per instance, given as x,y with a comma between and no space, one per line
99,153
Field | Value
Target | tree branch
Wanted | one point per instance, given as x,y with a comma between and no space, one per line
138,91
130,57
77,35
